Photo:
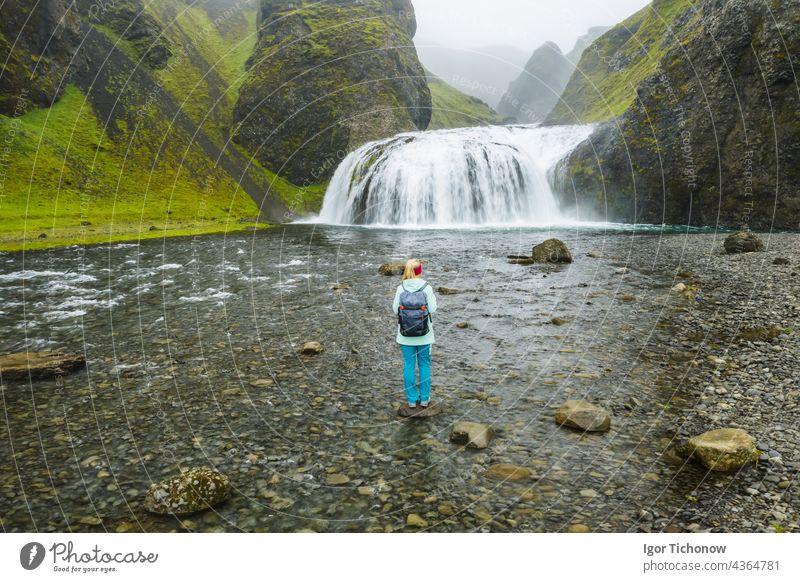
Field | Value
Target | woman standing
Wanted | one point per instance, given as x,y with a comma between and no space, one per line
414,303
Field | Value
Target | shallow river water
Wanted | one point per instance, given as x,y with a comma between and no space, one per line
192,349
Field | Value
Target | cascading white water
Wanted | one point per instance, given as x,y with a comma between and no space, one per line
472,176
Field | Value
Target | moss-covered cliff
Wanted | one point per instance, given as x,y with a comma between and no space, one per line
118,120
704,116
327,77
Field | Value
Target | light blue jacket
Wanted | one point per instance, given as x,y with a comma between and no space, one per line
415,285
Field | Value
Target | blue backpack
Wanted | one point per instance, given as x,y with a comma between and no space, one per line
413,314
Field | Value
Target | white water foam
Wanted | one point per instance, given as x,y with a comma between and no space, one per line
477,176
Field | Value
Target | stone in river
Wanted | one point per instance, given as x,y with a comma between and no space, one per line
551,251
415,520
311,348
578,528
595,255
781,261
391,268
449,291
433,409
193,490
743,242
38,365
473,434
762,334
583,415
723,449
337,479
559,321
505,472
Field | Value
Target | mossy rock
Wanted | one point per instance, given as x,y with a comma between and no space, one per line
743,242
723,449
192,491
551,251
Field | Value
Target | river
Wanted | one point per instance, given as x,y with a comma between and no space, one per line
192,360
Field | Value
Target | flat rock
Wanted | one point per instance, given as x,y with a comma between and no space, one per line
506,472
433,409
193,490
723,449
521,260
595,255
391,268
743,242
450,291
583,415
38,365
311,348
415,520
473,434
551,251
337,479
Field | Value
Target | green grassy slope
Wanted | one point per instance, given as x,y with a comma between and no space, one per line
452,108
604,84
132,151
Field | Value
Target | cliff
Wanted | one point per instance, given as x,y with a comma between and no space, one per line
532,95
701,117
325,78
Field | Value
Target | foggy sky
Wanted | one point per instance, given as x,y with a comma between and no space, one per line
525,24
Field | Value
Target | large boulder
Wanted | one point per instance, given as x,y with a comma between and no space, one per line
192,491
473,434
551,251
583,415
723,449
743,242
38,365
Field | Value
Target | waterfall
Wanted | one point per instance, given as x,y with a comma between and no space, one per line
473,176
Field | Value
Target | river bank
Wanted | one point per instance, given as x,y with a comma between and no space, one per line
192,349
732,372
102,233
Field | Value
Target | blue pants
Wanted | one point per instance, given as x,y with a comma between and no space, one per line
413,355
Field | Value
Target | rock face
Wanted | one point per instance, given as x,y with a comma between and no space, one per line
532,95
45,36
743,242
687,140
583,415
38,365
192,491
723,449
327,77
551,251
473,434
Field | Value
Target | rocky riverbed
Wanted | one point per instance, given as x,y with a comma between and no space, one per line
196,356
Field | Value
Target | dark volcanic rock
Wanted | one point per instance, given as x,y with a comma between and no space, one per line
327,77
697,141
